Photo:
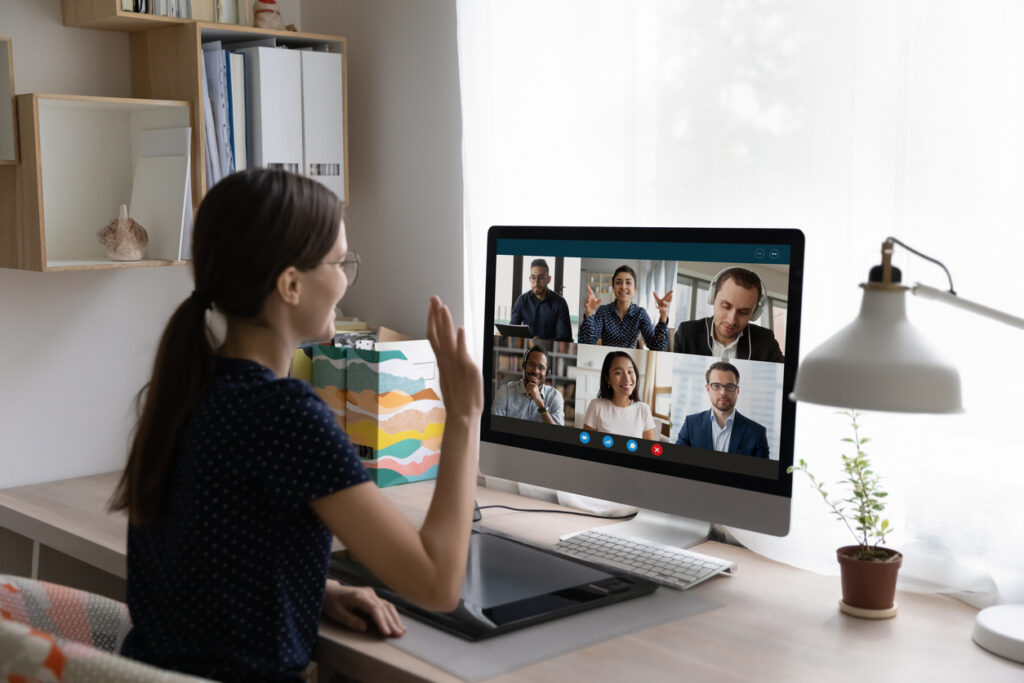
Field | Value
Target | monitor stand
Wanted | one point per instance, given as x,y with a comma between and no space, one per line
659,527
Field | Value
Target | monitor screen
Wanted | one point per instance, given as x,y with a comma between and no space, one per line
647,366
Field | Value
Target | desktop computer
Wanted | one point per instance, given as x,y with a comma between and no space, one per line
644,366
677,407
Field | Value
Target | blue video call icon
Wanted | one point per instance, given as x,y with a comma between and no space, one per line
608,441
584,437
631,446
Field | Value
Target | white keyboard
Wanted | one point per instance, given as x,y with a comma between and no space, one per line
664,564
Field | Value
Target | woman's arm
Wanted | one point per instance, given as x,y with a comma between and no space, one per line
655,337
426,566
651,434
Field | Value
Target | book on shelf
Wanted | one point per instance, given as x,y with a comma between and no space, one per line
217,83
209,134
227,11
236,93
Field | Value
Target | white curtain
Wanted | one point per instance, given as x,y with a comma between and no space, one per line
849,120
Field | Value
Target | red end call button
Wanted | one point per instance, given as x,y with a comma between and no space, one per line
656,449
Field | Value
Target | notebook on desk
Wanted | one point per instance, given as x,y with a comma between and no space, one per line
509,585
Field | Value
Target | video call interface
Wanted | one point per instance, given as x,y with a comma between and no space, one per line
672,353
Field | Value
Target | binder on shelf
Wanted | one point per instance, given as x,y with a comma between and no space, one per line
236,94
209,135
273,96
227,11
215,59
323,119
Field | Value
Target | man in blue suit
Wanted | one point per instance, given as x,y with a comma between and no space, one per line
722,428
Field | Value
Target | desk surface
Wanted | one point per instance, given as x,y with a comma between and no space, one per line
777,622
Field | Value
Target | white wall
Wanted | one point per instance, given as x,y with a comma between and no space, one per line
74,347
405,154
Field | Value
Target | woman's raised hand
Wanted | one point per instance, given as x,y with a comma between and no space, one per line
663,303
591,303
461,383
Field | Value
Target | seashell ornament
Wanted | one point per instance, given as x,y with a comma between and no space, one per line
124,238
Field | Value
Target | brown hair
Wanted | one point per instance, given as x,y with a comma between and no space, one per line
747,279
722,366
250,227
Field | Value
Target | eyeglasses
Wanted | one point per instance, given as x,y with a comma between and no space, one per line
536,367
349,266
538,278
729,388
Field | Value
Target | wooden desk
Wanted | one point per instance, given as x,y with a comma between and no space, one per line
777,622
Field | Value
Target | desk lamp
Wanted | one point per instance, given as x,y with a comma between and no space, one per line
881,362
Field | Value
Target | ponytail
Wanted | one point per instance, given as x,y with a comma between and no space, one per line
250,227
182,370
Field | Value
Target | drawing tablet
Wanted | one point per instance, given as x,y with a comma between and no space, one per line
509,585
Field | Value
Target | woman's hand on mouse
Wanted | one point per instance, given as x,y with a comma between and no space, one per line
349,605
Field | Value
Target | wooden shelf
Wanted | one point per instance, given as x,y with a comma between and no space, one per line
77,168
108,15
166,64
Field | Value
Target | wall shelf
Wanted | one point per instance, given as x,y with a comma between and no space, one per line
166,65
55,214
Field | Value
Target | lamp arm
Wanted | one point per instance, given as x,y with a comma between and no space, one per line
954,300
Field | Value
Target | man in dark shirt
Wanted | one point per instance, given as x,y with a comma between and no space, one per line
737,295
544,311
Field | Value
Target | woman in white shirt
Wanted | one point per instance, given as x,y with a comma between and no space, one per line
618,408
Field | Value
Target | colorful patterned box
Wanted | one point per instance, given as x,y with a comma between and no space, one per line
389,402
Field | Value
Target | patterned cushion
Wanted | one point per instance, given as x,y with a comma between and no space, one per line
52,633
65,612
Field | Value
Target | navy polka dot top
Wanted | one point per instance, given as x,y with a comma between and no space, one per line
228,583
623,332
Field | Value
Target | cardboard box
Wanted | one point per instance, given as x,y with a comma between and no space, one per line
388,400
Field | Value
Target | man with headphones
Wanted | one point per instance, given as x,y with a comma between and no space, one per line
738,296
529,398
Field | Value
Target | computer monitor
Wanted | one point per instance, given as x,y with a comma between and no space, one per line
728,351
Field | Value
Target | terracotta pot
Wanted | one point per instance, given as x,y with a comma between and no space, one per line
868,585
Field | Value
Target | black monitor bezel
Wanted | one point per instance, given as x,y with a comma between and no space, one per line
793,238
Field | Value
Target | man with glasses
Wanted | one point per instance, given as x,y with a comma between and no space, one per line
529,398
542,309
722,428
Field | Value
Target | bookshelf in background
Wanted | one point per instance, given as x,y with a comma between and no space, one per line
508,366
167,62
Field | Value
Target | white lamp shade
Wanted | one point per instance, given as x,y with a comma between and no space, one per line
879,362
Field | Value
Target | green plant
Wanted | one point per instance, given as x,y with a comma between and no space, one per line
862,510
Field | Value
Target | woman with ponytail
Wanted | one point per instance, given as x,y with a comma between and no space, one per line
237,475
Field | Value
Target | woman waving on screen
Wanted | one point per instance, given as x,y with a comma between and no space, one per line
622,322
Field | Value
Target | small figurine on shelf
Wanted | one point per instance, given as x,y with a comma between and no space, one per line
123,237
266,15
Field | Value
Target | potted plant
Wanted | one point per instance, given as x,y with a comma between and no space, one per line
867,569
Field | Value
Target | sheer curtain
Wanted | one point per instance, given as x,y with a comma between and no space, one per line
849,120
